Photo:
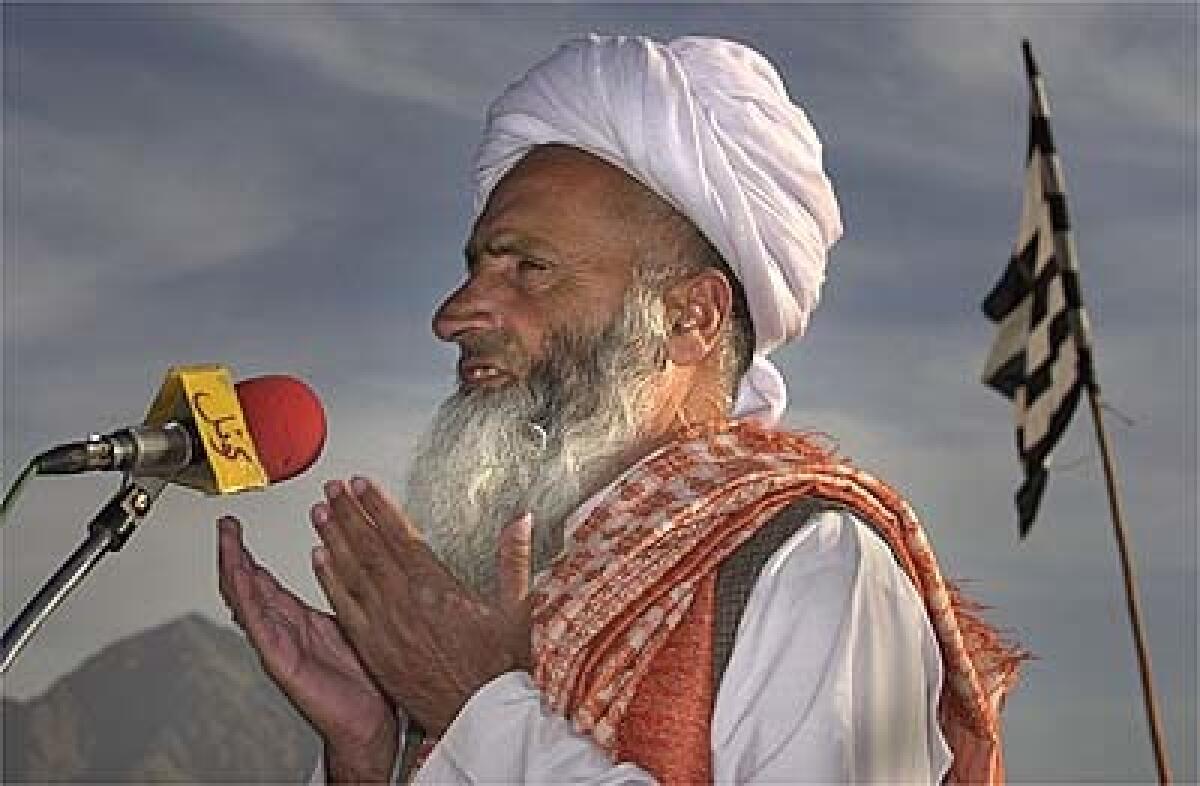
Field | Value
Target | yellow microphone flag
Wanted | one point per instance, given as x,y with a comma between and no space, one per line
204,396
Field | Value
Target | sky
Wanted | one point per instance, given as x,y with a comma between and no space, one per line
285,188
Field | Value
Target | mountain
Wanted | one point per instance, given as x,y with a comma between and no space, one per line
183,702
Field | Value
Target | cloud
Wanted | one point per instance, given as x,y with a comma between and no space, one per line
1109,73
392,52
1109,57
94,213
284,186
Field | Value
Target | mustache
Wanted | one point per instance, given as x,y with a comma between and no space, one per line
497,347
562,348
537,444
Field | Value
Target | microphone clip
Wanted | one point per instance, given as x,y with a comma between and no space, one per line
108,531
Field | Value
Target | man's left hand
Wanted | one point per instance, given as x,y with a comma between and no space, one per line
428,641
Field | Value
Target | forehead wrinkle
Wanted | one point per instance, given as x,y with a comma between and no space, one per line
503,241
563,168
556,185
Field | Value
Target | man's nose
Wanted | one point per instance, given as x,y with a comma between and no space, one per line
473,306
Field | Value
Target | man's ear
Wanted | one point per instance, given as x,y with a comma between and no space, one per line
697,309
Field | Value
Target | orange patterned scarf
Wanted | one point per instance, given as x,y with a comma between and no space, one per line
631,569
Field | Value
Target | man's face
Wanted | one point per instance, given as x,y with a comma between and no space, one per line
562,349
552,252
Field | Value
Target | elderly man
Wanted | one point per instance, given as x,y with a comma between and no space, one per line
714,599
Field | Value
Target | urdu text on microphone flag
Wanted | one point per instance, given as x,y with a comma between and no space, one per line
1041,357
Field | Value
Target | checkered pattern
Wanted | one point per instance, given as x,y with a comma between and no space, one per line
1041,358
629,573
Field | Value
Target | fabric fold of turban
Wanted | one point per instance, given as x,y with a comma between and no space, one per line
706,124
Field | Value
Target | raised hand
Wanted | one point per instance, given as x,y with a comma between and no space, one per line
428,641
304,652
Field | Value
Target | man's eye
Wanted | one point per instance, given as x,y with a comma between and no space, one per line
527,264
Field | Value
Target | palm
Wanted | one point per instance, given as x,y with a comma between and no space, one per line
302,649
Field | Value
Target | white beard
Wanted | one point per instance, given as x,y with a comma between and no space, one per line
536,445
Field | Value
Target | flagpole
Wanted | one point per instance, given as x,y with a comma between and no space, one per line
1081,332
1131,595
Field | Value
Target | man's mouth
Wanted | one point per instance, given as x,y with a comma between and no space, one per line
480,373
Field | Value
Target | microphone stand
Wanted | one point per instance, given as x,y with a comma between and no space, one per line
108,531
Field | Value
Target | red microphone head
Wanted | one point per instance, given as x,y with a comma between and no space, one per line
286,421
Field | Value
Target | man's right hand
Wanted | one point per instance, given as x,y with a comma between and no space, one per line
304,652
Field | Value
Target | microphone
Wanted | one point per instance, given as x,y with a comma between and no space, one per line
284,417
201,431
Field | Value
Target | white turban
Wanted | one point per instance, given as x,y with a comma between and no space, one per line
708,126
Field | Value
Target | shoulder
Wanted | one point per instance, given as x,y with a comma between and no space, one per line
833,654
830,582
838,560
806,539
829,551
829,609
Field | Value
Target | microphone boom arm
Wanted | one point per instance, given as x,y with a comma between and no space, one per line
108,531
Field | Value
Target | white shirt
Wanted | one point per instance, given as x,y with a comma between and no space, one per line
834,677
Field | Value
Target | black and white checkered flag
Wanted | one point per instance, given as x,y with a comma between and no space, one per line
1041,358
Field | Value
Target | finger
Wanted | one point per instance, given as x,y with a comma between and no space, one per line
342,554
227,555
520,641
341,574
398,532
231,559
346,606
242,584
355,529
378,568
279,601
513,561
383,510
